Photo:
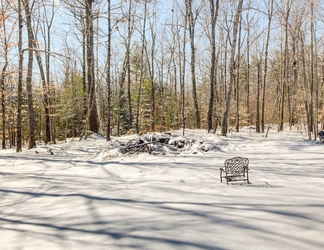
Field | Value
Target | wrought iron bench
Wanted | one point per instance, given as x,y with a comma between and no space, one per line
236,169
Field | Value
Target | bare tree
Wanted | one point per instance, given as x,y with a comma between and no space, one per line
214,7
232,68
93,115
247,86
285,66
3,72
183,72
150,58
19,90
258,90
108,79
49,19
143,38
192,19
270,14
130,29
314,80
31,115
238,78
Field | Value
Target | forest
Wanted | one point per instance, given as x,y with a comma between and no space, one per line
115,67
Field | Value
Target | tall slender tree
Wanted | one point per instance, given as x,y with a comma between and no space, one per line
3,72
130,29
92,103
143,38
265,71
214,7
192,19
183,72
108,77
20,75
232,66
31,113
285,65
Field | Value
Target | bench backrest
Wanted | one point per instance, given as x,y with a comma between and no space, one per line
236,165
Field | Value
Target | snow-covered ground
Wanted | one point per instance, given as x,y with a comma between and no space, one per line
88,196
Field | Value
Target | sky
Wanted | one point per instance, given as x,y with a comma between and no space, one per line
88,195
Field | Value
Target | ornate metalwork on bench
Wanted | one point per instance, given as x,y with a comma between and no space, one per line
236,169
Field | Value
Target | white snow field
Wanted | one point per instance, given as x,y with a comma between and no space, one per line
87,196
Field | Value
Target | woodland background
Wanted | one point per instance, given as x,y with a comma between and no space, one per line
121,67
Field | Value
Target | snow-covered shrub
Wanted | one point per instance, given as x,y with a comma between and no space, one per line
208,146
157,137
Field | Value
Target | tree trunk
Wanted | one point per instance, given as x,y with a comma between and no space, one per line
50,122
231,69
257,118
2,79
212,76
238,78
286,73
120,95
128,48
183,72
31,114
270,12
45,93
142,69
151,68
108,80
313,89
248,74
19,91
192,24
93,114
152,82
305,88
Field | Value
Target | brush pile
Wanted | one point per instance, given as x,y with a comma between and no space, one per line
165,143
